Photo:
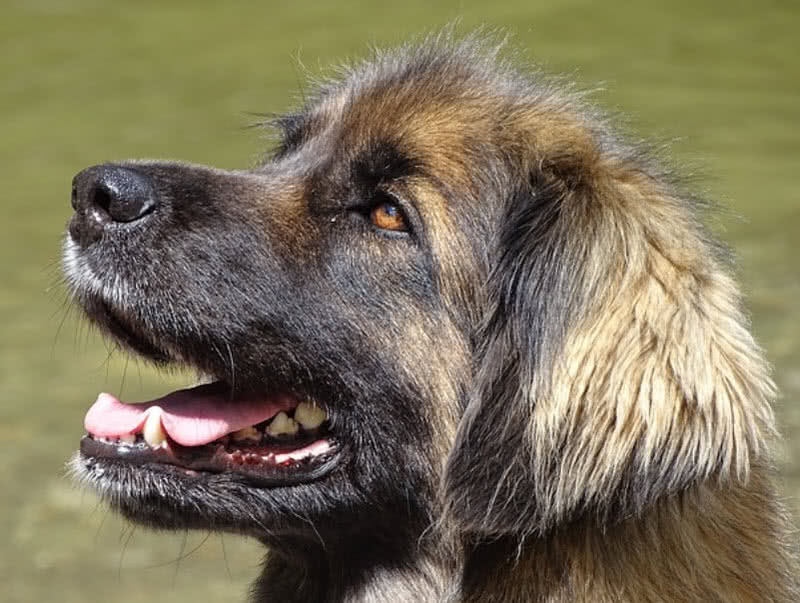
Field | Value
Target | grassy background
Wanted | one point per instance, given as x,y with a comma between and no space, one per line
85,81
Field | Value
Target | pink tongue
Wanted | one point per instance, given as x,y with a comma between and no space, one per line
191,417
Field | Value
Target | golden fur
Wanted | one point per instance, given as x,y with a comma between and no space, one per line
548,388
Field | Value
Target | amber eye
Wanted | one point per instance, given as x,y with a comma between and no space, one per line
389,216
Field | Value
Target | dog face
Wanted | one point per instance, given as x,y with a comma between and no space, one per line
342,273
481,293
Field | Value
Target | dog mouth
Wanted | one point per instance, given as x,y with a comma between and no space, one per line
273,441
267,437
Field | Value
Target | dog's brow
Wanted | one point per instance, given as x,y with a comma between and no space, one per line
384,160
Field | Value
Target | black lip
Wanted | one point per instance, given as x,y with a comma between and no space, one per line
197,461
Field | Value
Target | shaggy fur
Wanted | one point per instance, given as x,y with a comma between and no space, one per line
546,388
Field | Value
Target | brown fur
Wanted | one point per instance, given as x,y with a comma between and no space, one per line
595,413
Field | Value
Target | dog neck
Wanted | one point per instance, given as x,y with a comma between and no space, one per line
692,546
360,569
583,561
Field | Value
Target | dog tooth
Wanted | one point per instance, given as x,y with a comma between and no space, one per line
282,424
309,415
153,432
248,433
127,439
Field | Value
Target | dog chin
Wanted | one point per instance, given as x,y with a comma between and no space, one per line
167,496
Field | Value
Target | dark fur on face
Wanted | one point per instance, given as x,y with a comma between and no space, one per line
541,388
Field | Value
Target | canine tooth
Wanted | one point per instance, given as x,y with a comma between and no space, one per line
153,432
309,415
282,424
248,433
127,439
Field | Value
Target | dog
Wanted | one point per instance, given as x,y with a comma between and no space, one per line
461,342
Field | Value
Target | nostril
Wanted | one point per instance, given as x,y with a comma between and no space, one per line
101,199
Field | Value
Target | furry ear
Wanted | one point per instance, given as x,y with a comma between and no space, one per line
614,365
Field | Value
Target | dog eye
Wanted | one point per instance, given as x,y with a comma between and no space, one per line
389,216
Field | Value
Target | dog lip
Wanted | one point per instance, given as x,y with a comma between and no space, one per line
210,460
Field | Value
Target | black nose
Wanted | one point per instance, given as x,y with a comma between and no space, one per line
106,194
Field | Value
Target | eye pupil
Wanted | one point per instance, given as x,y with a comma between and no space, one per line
388,216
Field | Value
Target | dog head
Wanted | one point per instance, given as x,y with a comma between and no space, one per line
502,315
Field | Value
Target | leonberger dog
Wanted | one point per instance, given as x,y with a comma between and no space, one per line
462,342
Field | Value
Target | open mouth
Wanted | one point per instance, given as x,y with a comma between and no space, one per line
270,438
276,441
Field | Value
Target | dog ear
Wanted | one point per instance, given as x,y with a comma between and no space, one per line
614,365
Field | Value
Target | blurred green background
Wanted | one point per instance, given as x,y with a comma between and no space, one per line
85,81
